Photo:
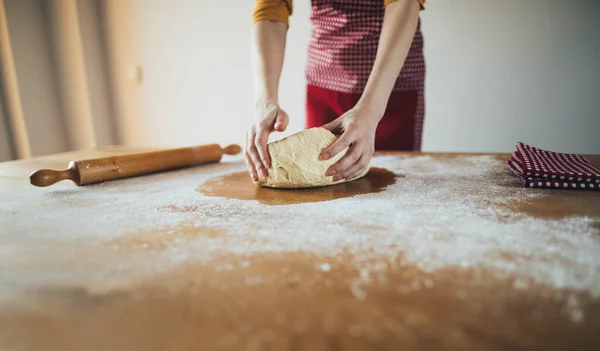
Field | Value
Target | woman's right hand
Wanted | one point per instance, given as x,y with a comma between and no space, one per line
268,118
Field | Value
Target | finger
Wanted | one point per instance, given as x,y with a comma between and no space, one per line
248,159
339,168
340,144
251,169
281,122
261,138
260,170
253,153
357,168
333,126
260,142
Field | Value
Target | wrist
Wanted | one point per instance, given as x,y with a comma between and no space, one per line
261,101
373,110
377,92
265,91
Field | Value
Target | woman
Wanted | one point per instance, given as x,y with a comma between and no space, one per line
365,78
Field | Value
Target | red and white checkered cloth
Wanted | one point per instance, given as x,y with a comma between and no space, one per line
537,168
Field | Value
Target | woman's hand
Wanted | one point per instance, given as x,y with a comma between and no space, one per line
357,131
269,117
357,126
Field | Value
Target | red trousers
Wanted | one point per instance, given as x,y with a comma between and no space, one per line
399,129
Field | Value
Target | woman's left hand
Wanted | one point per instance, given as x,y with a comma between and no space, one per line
356,130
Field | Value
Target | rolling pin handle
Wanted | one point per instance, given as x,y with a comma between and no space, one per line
47,177
232,149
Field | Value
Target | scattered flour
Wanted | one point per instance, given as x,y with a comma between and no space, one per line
442,214
325,267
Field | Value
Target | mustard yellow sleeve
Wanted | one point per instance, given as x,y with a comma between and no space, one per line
273,10
422,2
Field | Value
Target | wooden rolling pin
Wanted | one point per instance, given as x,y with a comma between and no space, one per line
115,167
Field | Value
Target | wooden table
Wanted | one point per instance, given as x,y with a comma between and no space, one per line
428,252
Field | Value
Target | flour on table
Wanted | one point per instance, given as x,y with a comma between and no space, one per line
444,213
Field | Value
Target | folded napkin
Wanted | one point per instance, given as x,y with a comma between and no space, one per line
537,168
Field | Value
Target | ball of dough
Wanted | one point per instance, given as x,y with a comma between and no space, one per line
295,160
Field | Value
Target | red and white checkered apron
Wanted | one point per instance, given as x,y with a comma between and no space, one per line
343,47
537,168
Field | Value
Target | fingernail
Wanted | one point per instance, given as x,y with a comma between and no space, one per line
266,163
324,156
263,172
254,177
331,172
336,178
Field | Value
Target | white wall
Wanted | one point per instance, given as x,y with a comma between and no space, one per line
94,40
34,65
197,83
503,71
498,72
56,83
6,151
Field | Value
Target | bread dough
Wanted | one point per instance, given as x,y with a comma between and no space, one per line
295,161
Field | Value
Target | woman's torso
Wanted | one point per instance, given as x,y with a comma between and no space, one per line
343,46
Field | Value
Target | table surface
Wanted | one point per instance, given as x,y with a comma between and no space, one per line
428,252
